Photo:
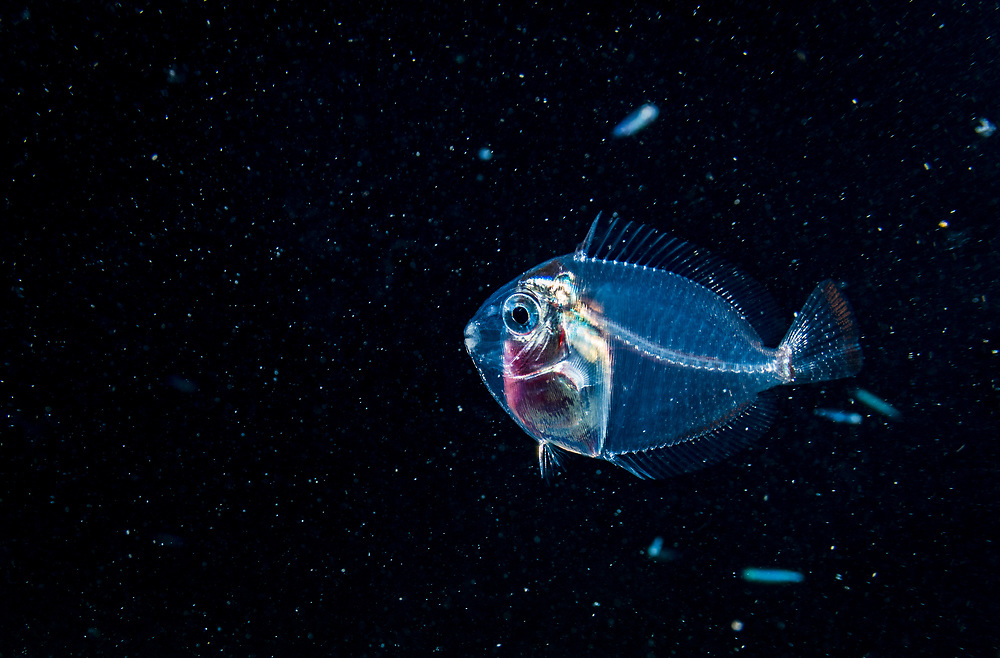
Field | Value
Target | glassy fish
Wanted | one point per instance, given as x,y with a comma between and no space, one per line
648,352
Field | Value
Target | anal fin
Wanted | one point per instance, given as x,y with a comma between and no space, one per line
713,445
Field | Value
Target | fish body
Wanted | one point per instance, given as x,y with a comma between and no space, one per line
648,352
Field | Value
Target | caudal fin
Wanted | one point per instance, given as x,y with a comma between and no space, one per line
823,340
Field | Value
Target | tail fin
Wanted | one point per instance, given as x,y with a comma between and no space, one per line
823,340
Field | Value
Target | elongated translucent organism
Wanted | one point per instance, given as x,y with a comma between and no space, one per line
657,551
877,404
839,416
636,121
772,576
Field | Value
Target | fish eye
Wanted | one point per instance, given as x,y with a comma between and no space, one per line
520,313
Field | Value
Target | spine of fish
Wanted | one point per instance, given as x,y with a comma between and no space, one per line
823,341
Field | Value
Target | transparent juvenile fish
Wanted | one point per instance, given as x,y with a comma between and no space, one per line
648,352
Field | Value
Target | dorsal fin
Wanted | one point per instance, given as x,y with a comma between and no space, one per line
634,244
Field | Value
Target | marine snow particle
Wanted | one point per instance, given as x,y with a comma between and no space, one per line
985,128
636,121
772,576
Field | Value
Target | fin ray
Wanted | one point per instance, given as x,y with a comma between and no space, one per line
823,340
704,449
641,246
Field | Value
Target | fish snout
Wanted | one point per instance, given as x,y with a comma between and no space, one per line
472,336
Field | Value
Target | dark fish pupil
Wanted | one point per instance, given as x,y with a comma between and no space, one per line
520,314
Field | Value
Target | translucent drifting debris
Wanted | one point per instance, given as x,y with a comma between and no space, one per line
656,551
636,121
985,128
772,576
182,384
877,404
839,416
485,154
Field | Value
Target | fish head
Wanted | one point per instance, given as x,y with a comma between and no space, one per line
544,365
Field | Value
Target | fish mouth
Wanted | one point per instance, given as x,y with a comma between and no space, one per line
472,337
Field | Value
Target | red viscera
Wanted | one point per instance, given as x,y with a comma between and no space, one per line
542,397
